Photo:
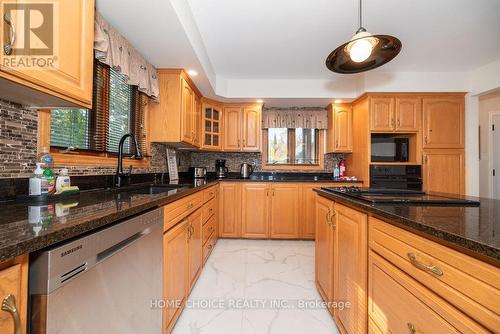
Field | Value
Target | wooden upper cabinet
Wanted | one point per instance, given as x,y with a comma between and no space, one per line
339,133
351,243
324,243
196,120
444,171
230,210
232,128
175,269
70,79
14,293
176,118
255,210
343,130
211,126
187,111
408,114
285,201
242,128
195,259
443,124
251,129
382,114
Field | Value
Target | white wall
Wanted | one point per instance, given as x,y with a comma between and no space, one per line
487,104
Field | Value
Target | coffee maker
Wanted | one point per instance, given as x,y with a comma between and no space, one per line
220,168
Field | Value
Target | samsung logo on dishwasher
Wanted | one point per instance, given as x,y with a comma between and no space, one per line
71,250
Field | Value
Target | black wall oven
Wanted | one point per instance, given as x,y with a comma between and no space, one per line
396,177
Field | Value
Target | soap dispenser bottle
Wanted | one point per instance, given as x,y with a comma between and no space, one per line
35,183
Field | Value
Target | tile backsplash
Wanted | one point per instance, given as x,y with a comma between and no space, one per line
18,147
235,159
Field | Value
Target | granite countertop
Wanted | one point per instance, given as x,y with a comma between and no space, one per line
289,177
471,230
28,227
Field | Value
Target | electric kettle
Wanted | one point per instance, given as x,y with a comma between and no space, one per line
246,170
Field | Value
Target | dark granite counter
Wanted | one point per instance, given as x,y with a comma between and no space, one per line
28,227
471,230
290,177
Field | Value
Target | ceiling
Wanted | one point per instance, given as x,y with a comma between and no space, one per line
291,38
276,49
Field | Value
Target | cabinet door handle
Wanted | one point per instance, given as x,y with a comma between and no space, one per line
425,267
425,139
8,47
411,328
392,123
334,215
399,122
328,221
9,305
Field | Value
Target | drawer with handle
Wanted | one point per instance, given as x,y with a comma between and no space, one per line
209,210
208,229
209,246
176,211
399,304
209,193
469,284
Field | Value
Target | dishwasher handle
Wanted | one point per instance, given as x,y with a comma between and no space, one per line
121,245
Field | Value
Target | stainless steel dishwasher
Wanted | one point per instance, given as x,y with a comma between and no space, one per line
101,283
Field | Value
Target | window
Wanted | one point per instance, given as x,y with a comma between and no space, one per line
118,109
293,146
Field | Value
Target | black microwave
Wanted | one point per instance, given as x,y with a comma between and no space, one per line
389,149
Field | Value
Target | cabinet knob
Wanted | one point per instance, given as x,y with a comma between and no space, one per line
9,305
411,328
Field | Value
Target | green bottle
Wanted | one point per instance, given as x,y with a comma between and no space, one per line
48,182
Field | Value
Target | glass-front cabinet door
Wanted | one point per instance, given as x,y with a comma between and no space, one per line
212,118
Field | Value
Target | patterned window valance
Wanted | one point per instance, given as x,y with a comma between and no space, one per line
308,118
114,50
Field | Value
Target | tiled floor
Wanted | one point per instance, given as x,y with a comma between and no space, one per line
256,286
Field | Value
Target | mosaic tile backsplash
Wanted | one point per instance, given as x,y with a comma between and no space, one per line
18,147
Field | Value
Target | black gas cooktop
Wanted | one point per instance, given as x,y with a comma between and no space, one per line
396,196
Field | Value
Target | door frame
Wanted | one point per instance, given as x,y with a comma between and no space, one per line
490,151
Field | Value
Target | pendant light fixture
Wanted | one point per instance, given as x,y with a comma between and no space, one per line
364,51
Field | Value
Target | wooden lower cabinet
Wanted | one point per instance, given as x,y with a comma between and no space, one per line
307,205
185,250
230,209
398,304
324,246
175,273
285,201
194,240
350,256
255,210
14,292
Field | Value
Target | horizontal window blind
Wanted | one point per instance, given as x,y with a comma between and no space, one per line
118,109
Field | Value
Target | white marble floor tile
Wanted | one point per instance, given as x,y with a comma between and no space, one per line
256,286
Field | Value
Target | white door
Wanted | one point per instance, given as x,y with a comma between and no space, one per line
495,158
